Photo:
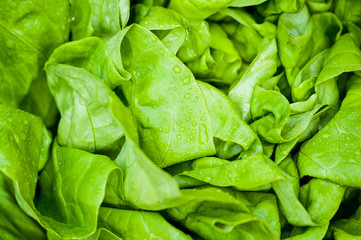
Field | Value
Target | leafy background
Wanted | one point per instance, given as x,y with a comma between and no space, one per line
180,119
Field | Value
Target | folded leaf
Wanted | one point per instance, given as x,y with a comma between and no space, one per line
84,102
67,209
72,187
220,213
15,224
339,158
263,67
307,205
227,124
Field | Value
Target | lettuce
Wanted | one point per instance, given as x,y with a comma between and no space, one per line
180,119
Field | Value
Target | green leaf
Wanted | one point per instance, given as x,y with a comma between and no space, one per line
198,9
169,26
67,209
98,18
219,172
15,224
348,11
319,5
23,25
347,228
339,158
146,185
74,198
180,122
245,33
227,124
224,213
40,102
84,102
90,54
303,233
312,204
293,34
243,3
263,67
138,225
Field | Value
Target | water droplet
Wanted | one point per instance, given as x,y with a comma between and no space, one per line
183,128
208,179
170,82
161,26
186,80
203,118
180,121
190,87
190,111
182,109
73,19
234,127
196,99
174,88
154,38
191,136
200,149
228,133
187,152
194,131
187,96
185,141
188,119
179,137
177,69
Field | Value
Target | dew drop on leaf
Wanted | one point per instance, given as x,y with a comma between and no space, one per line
186,80
177,69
